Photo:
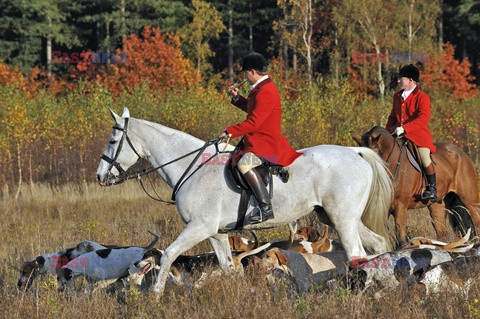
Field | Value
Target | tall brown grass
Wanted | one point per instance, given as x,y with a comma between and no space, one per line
45,219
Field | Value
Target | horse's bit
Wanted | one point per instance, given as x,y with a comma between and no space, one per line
113,162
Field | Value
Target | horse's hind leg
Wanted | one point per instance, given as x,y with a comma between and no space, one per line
346,227
439,220
221,246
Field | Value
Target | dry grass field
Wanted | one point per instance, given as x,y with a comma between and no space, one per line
45,219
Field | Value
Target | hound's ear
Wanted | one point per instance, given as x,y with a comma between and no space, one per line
357,139
313,234
282,259
126,113
89,248
234,242
114,115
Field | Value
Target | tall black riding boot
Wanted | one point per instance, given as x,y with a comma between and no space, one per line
430,189
259,189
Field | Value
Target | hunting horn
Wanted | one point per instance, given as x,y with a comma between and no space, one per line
239,84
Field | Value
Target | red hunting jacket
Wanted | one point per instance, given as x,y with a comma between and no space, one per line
261,129
414,115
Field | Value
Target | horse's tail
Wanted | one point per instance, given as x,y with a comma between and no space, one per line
380,198
459,215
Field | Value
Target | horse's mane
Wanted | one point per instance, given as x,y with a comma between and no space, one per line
166,130
374,129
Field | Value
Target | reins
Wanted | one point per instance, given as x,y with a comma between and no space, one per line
397,166
122,177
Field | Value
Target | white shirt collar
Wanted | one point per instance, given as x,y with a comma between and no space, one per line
405,94
263,78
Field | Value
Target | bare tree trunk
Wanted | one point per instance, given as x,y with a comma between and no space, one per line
10,162
30,168
295,62
250,28
307,39
83,169
19,163
381,82
199,72
123,25
336,56
440,28
107,41
55,164
285,57
230,41
99,34
410,26
49,50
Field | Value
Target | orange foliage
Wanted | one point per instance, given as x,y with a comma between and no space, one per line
11,76
443,72
37,78
153,57
359,82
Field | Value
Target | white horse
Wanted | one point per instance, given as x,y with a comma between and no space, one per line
348,187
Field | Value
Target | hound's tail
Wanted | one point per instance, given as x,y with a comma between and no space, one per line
375,214
154,241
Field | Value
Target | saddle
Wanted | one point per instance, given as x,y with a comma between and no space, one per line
240,185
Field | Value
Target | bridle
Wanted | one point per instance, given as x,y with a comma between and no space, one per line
122,177
113,161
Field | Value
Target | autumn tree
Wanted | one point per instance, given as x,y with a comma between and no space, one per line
296,29
18,130
416,27
444,73
196,36
367,26
154,58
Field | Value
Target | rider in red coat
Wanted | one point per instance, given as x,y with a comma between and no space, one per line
263,140
410,116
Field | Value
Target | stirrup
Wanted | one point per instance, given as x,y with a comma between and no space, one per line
261,216
430,195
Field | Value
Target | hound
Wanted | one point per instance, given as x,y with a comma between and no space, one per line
104,266
308,240
50,263
391,269
452,276
303,271
241,244
187,264
307,233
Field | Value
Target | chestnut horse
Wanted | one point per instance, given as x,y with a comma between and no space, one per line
457,186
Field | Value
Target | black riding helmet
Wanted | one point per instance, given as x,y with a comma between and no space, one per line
255,61
410,71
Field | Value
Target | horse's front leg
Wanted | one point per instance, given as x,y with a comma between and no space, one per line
400,218
190,236
221,246
439,219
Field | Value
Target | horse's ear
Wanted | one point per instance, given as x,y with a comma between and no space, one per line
375,139
357,139
114,115
126,113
